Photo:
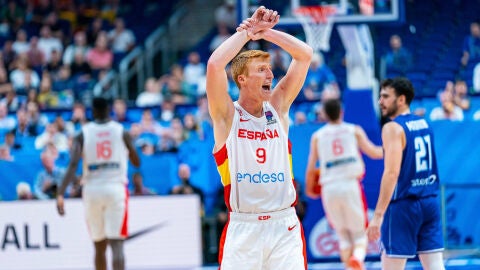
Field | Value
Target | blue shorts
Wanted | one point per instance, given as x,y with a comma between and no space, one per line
412,226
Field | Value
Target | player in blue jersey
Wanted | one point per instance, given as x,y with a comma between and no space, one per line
407,216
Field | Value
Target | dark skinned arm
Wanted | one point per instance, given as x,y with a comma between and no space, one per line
75,156
132,151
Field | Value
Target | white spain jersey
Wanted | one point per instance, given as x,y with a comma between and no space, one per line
338,153
255,163
104,153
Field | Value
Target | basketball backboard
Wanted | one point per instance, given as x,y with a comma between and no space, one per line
348,11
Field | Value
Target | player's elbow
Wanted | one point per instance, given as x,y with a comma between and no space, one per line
215,63
306,54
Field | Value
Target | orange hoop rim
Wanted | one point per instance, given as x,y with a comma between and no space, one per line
319,14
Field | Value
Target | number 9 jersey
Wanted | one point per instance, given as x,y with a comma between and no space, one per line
104,153
418,173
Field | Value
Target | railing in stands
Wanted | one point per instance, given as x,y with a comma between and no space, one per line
130,66
162,39
108,84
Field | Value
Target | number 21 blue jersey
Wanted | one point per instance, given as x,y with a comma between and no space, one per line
418,173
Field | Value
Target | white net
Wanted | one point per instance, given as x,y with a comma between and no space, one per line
317,22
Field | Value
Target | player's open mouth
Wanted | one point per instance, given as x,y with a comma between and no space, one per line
266,87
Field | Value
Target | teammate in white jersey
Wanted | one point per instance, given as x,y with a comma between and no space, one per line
336,146
252,150
105,148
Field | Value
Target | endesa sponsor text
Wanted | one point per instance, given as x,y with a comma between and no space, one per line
260,178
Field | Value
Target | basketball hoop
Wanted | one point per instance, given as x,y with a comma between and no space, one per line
317,22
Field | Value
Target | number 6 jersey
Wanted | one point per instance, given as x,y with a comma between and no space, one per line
104,153
255,163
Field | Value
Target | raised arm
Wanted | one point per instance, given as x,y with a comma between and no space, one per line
289,86
393,138
220,104
75,156
367,146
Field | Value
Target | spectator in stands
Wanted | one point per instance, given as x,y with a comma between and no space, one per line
60,28
172,140
14,14
191,128
52,135
78,119
8,54
223,34
35,55
151,96
24,127
194,70
12,100
300,118
226,14
6,122
167,111
185,187
11,141
21,44
138,188
95,28
5,85
174,87
24,192
5,154
202,115
119,112
48,43
81,71
40,10
122,40
151,129
319,78
100,57
64,87
47,99
398,60
23,78
36,120
49,178
280,61
471,45
460,95
448,110
79,46
53,67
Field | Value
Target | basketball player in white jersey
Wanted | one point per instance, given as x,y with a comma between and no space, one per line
336,147
252,149
105,148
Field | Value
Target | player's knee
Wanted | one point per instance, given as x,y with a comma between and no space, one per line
432,261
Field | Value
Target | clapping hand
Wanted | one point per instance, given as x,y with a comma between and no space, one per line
262,19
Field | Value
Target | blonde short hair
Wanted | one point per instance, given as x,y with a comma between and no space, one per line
241,61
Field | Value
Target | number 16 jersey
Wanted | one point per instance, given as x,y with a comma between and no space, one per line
255,163
104,153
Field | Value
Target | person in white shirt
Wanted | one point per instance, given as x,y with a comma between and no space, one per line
105,148
336,146
252,149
